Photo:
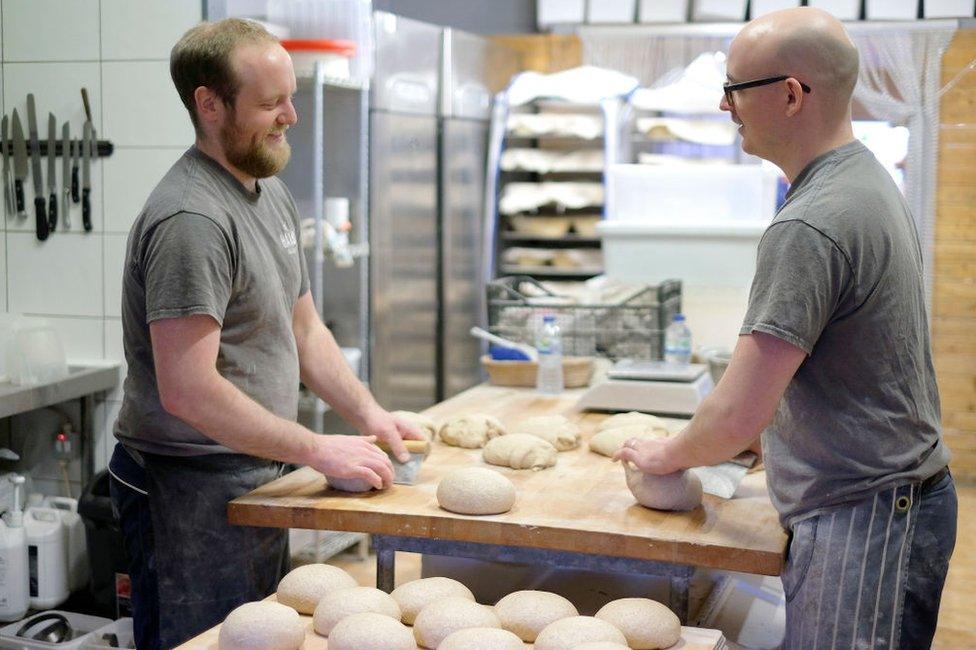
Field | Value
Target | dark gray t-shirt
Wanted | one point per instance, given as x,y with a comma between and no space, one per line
204,244
839,275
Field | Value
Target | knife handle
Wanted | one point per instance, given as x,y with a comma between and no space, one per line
19,194
41,214
74,185
52,212
86,209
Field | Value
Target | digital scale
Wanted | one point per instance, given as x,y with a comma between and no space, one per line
650,386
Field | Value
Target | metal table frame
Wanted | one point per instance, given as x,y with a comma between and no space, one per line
678,575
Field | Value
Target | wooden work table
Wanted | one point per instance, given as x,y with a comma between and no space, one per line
579,507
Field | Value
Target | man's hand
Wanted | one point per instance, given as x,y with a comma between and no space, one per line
392,430
353,457
651,456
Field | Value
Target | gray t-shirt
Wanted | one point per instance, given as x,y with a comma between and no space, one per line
204,244
839,275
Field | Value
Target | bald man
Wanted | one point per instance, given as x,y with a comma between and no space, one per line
833,364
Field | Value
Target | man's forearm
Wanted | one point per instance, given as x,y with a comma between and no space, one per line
717,432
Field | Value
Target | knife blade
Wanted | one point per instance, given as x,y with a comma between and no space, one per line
8,196
75,158
52,180
66,172
20,163
86,177
40,212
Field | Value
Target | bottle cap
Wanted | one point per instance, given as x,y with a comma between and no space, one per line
549,318
678,318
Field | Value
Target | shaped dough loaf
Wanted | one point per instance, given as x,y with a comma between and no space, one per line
520,451
413,596
306,585
632,417
678,491
481,638
262,626
554,429
344,602
471,431
567,633
647,624
371,631
608,441
527,613
476,491
443,617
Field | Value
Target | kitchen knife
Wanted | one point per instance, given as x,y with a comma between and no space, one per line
66,172
52,179
8,196
75,158
40,212
86,148
20,162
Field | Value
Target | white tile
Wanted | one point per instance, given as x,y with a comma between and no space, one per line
146,29
114,259
62,275
114,351
50,30
142,107
129,176
83,338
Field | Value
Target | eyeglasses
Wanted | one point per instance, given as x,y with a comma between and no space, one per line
731,88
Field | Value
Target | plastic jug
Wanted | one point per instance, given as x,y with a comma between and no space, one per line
74,532
47,557
14,595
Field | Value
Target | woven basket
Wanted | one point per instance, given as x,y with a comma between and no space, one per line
576,372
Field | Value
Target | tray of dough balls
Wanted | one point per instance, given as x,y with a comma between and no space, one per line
320,606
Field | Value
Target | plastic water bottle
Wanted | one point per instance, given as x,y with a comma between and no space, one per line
677,341
550,347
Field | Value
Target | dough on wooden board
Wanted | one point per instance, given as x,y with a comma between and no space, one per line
262,626
631,417
422,422
520,451
608,441
567,633
647,624
348,484
678,491
355,600
443,617
528,612
471,431
481,638
413,596
476,491
302,588
561,433
371,631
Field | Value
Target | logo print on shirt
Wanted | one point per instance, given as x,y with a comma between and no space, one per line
288,239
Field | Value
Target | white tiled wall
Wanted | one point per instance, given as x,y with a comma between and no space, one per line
118,50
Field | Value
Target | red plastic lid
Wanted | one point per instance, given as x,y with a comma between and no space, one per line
345,48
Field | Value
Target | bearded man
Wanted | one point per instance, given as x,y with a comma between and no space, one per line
219,329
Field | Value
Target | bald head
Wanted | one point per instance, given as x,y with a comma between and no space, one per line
808,43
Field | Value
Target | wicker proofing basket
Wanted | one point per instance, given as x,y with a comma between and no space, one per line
576,371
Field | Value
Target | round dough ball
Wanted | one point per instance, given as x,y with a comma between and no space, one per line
554,429
608,441
262,626
568,633
678,491
349,484
520,451
526,613
471,431
481,638
476,491
413,596
306,585
647,624
343,602
422,422
371,631
600,645
632,417
443,617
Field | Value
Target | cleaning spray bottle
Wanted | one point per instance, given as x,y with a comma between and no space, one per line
14,594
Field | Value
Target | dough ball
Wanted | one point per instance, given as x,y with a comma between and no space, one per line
526,613
568,633
422,422
558,431
632,417
355,600
349,484
476,491
443,617
371,631
481,638
413,596
305,586
608,441
646,623
262,626
678,491
520,451
471,431
600,645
